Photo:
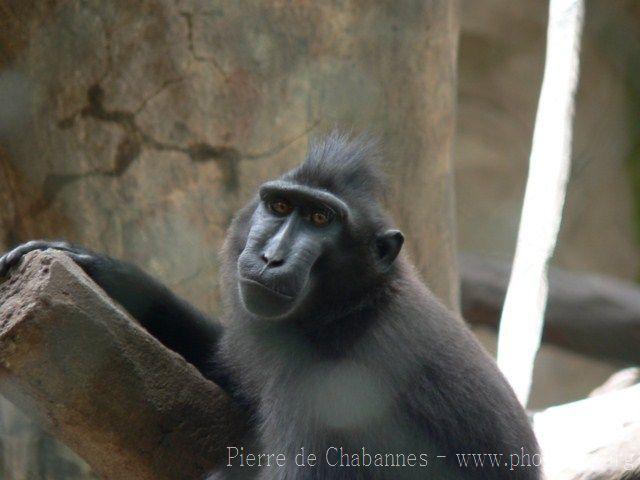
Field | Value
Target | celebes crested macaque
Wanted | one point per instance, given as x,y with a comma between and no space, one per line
332,342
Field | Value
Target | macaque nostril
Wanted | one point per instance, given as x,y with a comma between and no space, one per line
271,262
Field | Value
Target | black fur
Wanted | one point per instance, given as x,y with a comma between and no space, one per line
368,359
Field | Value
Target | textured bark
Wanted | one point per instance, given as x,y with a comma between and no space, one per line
589,314
76,362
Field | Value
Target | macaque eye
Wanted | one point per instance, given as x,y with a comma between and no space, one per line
281,207
320,219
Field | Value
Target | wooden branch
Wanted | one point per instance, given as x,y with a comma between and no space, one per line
619,380
79,365
590,314
593,439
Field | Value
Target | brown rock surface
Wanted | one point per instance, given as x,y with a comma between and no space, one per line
76,362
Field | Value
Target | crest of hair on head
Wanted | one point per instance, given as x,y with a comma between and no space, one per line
340,163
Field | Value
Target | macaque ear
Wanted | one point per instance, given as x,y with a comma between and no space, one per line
388,246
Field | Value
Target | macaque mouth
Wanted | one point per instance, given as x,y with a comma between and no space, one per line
256,284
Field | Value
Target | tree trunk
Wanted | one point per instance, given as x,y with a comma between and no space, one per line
139,128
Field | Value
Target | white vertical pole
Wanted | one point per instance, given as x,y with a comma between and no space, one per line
549,165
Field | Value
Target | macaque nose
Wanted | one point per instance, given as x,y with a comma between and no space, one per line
272,260
281,244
